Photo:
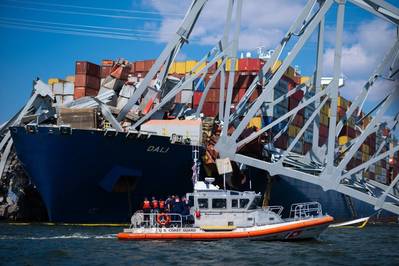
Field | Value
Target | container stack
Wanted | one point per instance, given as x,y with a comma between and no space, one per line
87,79
62,90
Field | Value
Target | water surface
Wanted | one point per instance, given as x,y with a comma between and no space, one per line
75,245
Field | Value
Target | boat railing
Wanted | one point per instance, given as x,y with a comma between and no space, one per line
305,210
156,219
276,209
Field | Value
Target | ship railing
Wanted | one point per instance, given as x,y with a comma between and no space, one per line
305,210
276,209
156,219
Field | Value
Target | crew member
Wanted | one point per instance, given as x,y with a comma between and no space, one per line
146,208
161,205
155,205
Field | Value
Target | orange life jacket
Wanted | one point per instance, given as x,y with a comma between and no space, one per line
162,204
146,205
155,204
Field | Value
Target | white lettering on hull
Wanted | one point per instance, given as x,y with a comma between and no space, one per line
158,149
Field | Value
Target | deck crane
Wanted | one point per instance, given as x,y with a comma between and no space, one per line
321,166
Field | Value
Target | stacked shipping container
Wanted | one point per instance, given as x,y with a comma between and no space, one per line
87,79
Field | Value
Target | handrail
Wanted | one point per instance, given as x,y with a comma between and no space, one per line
305,210
276,209
140,219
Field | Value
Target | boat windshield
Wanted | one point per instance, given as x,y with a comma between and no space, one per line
255,203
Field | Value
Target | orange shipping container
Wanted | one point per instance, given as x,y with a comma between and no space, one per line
139,66
148,64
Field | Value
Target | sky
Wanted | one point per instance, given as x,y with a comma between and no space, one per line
44,38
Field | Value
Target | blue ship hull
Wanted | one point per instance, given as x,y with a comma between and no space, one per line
84,176
285,191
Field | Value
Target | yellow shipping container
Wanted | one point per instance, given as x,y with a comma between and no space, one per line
172,68
276,66
324,119
52,81
342,102
228,65
190,65
325,109
70,78
180,67
290,73
343,140
365,156
293,131
255,122
200,67
305,79
365,148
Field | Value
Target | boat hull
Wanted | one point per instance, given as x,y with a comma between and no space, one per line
294,230
84,176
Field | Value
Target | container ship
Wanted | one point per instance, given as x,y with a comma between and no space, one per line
87,172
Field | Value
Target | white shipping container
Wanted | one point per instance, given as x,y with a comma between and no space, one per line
187,96
188,129
58,88
68,88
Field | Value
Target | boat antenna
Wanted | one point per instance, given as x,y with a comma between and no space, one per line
195,168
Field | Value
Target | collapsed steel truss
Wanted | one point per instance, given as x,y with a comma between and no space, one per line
326,171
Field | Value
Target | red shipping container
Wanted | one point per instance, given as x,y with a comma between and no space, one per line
178,98
212,96
212,68
82,80
323,131
297,95
106,71
80,92
281,142
298,120
238,94
148,64
341,112
139,66
307,147
250,64
322,140
197,98
87,68
210,109
292,103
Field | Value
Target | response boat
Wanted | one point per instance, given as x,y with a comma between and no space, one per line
223,214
